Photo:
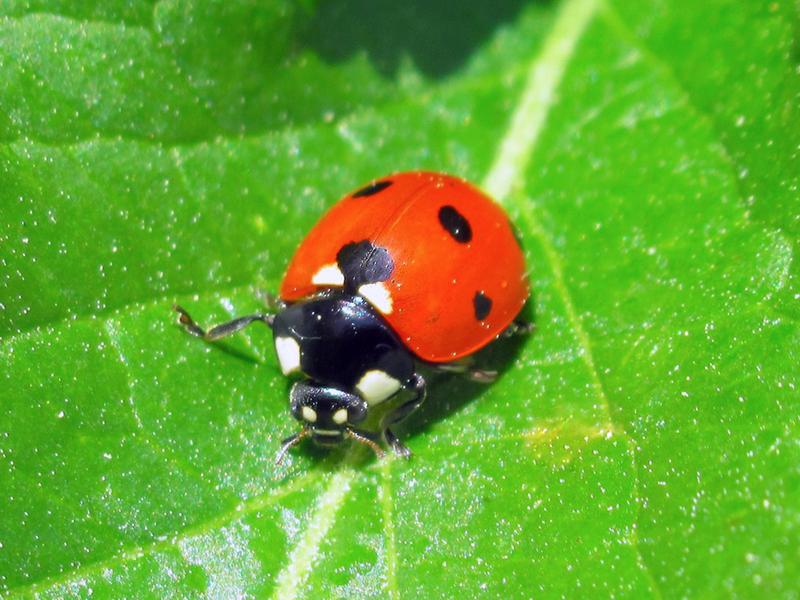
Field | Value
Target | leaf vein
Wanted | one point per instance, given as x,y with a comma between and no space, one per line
506,176
387,506
539,95
585,346
301,559
133,553
146,438
79,22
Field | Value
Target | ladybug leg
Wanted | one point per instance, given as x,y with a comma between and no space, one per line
289,442
465,369
363,438
482,375
518,327
222,330
400,413
271,302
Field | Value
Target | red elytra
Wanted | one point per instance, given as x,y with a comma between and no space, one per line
459,273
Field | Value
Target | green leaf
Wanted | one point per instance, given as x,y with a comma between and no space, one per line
644,441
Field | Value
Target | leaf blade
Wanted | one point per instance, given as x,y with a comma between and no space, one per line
623,450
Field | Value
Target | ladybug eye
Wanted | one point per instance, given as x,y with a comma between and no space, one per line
356,413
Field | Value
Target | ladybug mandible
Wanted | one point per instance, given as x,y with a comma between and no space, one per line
415,269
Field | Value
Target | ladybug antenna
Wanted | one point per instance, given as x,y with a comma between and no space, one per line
289,442
363,439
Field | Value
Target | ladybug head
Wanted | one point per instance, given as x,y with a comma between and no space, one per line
326,412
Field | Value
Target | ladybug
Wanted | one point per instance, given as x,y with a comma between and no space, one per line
414,270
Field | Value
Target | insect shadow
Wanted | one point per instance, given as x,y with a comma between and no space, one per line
449,393
438,35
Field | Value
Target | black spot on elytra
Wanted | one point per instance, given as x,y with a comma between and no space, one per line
362,262
372,189
482,304
455,224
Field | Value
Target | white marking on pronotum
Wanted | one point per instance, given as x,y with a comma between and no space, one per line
329,274
302,558
376,386
540,93
378,295
340,416
288,354
309,414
